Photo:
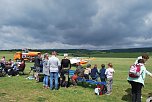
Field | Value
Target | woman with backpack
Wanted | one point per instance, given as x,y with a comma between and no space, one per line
138,82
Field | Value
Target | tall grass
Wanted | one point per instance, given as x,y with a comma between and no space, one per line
20,89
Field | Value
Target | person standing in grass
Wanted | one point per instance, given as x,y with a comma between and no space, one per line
87,71
138,83
102,73
144,56
37,65
46,71
109,74
94,73
65,67
54,64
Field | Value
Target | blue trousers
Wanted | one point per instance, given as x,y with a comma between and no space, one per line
45,80
54,77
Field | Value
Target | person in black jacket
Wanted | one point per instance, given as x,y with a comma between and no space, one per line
37,65
65,67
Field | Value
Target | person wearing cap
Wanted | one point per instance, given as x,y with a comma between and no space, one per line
87,71
54,64
109,74
65,67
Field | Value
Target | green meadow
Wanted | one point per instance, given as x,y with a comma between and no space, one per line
20,89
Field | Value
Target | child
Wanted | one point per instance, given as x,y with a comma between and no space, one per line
109,74
94,73
87,71
102,73
74,79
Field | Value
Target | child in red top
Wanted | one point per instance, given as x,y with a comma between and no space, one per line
74,79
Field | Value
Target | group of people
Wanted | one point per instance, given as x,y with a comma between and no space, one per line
138,82
105,74
10,67
57,72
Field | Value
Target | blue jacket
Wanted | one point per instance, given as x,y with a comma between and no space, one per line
102,73
94,72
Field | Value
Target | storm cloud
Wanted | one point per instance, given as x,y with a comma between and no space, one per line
66,24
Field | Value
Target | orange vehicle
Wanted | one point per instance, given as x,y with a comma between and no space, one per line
27,56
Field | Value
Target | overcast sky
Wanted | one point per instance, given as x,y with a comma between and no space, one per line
67,24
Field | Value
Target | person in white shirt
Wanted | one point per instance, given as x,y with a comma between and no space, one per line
54,64
109,75
144,56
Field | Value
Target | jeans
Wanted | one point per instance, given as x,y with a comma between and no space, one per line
136,91
45,80
54,77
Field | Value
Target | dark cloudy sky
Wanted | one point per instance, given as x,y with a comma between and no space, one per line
66,24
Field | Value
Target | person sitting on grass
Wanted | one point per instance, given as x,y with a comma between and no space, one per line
79,70
74,79
21,66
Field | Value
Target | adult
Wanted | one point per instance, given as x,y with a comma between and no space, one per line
21,66
65,67
46,71
144,56
37,65
138,83
54,64
79,70
3,60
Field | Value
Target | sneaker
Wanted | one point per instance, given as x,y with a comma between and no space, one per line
9,76
46,87
108,93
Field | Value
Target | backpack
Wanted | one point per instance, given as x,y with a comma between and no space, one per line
134,71
100,89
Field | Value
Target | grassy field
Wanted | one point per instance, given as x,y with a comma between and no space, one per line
20,89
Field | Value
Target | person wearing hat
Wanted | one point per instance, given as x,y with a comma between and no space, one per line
65,67
87,71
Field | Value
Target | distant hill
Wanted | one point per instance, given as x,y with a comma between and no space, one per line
146,49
